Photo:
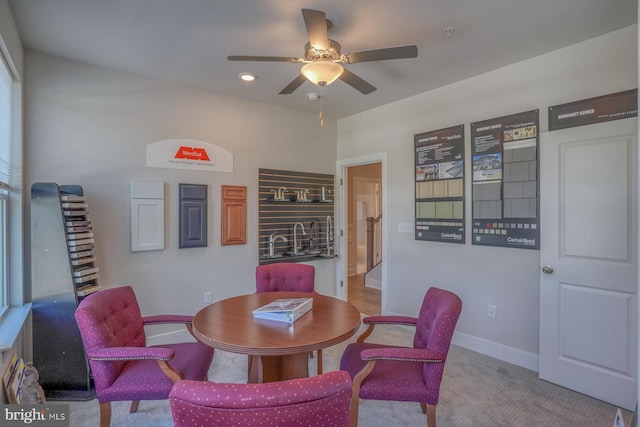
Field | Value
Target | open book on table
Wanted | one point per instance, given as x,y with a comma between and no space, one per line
284,310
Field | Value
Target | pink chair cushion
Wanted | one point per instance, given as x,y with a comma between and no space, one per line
410,381
318,401
144,380
390,379
285,277
112,329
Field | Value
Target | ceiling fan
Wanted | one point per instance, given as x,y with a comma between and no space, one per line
323,59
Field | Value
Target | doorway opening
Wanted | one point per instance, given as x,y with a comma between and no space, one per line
363,203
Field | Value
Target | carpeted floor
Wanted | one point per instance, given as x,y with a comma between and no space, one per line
476,391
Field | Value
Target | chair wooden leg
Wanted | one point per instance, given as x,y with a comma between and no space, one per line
319,361
431,414
355,406
355,390
105,414
134,406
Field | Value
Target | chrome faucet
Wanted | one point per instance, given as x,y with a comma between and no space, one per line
272,243
324,194
295,236
329,236
279,194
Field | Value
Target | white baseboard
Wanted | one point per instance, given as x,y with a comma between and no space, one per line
497,351
172,337
373,283
479,345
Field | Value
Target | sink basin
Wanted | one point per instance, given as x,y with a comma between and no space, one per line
301,253
324,255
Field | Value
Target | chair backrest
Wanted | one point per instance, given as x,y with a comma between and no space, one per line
109,318
285,277
436,323
318,401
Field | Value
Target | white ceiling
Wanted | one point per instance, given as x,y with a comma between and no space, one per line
187,41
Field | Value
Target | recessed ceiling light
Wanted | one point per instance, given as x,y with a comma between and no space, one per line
247,77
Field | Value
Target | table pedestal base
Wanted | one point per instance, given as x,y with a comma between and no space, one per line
265,369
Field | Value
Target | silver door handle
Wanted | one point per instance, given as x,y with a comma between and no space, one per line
547,269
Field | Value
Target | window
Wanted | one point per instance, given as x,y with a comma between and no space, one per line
6,138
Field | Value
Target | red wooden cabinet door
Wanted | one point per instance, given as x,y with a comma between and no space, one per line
234,215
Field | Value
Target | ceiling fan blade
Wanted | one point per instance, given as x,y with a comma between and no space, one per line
295,84
381,54
316,23
356,82
264,58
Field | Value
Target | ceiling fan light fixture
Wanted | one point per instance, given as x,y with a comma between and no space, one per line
322,73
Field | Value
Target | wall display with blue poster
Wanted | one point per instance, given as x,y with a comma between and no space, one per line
439,161
505,181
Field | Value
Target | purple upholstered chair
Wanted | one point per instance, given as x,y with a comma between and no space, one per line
123,367
411,374
285,277
318,401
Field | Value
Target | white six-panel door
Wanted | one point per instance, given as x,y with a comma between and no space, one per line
588,254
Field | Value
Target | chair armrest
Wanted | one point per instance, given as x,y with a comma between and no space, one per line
131,353
372,321
403,354
390,320
167,318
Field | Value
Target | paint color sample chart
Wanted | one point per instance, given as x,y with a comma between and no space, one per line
505,181
439,161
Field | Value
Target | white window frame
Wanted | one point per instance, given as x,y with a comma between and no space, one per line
4,231
16,306
5,188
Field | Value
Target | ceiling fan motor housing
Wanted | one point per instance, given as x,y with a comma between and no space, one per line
331,54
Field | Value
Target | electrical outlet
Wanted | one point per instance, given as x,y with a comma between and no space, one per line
491,311
207,297
405,227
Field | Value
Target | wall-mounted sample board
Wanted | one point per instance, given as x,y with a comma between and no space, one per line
287,198
505,181
439,201
192,216
234,214
147,216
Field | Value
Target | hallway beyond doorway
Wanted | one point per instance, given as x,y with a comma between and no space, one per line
365,299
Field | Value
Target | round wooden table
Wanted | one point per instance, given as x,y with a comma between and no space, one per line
277,350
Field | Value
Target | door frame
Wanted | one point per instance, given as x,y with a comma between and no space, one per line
341,222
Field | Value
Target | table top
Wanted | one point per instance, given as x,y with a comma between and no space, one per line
229,325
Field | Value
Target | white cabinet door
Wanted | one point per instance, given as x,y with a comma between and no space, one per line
147,216
588,279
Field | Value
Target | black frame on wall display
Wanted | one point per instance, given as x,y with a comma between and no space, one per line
505,184
439,189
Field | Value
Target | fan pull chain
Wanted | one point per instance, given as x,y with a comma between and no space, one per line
321,106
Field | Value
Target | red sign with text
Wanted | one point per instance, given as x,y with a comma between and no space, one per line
192,153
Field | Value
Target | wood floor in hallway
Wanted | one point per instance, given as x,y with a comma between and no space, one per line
365,299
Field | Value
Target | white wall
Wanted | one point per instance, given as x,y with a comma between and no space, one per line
90,126
10,37
481,275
